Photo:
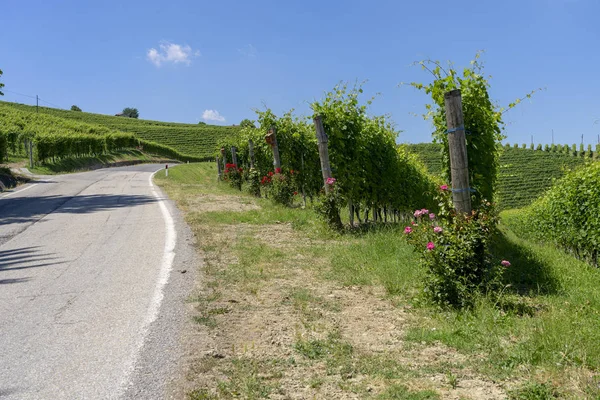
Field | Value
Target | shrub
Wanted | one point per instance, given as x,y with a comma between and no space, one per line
281,190
454,250
233,175
329,204
567,215
253,182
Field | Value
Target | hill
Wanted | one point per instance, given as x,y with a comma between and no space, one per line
192,139
525,174
56,138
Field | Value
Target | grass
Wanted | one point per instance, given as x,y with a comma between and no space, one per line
73,164
539,338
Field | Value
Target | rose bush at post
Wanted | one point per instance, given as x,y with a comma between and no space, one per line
454,250
233,175
328,206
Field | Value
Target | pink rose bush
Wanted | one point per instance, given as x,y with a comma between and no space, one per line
454,250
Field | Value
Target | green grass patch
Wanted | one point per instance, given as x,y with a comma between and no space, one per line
77,164
401,392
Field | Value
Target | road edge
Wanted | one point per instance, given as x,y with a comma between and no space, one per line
160,361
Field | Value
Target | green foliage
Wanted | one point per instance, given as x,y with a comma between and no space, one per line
246,123
455,252
1,84
197,140
482,121
253,182
328,205
75,108
524,175
371,171
534,391
568,215
281,190
131,112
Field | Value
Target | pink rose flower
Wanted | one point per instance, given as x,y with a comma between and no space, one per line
444,187
430,246
438,229
424,211
330,181
431,215
505,263
407,230
417,213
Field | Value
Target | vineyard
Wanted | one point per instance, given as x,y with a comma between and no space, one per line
525,174
192,139
58,138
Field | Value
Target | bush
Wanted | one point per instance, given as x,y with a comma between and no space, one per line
281,190
455,252
75,108
567,215
329,204
233,175
253,182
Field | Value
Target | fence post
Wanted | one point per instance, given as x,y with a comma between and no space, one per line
251,151
323,151
219,171
457,147
224,159
30,153
234,156
271,139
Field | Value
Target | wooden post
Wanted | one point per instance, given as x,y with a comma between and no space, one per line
251,150
302,172
234,156
271,139
457,147
30,153
224,159
219,171
323,151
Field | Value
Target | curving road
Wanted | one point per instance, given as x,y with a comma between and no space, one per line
91,287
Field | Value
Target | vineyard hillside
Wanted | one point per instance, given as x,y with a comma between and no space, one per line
192,139
525,174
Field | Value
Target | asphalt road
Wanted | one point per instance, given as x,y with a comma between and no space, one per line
92,288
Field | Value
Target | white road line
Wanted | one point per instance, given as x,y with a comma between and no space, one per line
19,191
167,259
163,278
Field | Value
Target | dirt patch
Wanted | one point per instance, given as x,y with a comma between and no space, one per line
212,202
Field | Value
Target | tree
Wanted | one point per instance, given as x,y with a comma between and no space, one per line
201,123
131,112
75,108
1,84
246,123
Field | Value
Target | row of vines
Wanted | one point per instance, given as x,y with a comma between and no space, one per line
56,138
371,172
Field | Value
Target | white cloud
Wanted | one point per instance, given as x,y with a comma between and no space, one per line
171,53
212,115
248,51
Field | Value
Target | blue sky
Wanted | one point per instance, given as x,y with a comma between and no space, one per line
182,60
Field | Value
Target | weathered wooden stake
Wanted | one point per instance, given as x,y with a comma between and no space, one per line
323,151
251,151
302,171
271,138
31,153
224,159
457,146
219,171
234,155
